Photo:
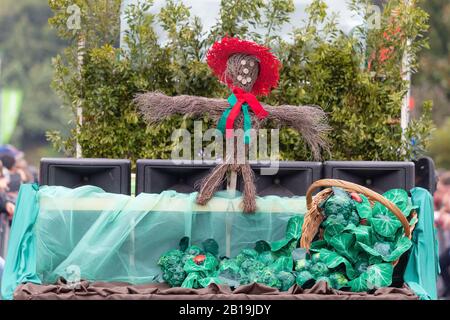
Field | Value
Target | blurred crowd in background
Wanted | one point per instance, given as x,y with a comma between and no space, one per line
14,170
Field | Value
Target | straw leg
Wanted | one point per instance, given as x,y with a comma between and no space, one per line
248,177
211,183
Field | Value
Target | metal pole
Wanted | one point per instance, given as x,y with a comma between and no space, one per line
406,75
79,115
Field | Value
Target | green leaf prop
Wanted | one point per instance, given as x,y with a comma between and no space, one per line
319,244
354,218
333,229
342,243
362,233
228,265
208,280
294,227
283,264
369,250
319,269
363,208
333,259
268,276
399,197
384,250
338,280
279,244
211,246
379,275
293,234
170,258
191,281
266,257
184,243
262,246
375,260
303,277
403,244
246,254
229,272
286,249
251,265
286,280
174,276
334,219
359,284
386,225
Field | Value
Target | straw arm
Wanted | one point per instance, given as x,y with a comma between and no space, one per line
309,121
156,107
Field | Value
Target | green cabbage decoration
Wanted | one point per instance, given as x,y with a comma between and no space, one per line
359,244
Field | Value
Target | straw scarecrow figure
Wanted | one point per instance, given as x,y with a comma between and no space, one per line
249,70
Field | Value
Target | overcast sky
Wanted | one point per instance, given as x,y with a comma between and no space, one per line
208,11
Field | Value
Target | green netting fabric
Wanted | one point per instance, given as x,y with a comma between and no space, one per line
99,236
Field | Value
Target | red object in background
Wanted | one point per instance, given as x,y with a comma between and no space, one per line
356,197
391,35
363,222
269,65
385,53
199,259
412,103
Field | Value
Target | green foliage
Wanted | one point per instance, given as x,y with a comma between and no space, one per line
432,82
440,146
321,66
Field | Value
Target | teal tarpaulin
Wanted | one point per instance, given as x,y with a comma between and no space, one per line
20,266
423,264
59,237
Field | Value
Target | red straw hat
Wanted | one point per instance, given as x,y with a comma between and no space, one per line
269,65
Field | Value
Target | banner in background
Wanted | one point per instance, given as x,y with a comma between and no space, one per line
10,105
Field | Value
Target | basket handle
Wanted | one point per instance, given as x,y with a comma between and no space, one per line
353,187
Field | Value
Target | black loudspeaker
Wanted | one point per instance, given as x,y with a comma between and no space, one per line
155,176
379,176
112,176
291,178
425,174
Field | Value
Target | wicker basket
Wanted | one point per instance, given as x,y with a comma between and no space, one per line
313,217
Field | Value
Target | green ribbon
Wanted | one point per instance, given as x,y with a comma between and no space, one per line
247,120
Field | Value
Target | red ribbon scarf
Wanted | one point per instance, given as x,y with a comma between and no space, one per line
243,97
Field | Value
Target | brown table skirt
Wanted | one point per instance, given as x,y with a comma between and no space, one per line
124,291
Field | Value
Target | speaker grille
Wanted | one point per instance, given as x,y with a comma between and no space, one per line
156,176
112,176
292,178
379,176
